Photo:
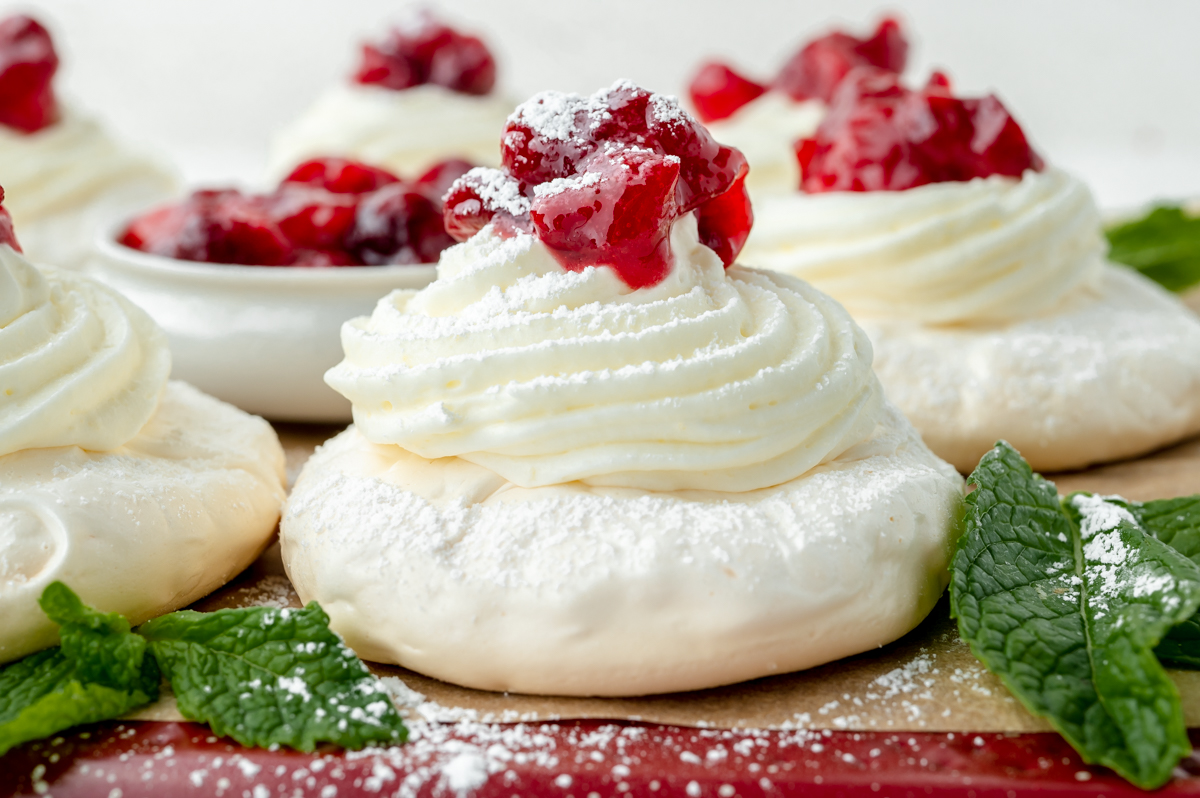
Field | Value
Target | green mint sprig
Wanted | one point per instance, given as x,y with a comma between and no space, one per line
261,675
1164,245
1066,601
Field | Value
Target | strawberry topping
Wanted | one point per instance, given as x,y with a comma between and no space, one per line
27,66
882,136
600,180
814,72
717,92
428,51
7,236
327,212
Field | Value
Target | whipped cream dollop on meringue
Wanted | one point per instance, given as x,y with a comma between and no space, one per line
64,181
79,364
988,250
712,379
764,130
404,131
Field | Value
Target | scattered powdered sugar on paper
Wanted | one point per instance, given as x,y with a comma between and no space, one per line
411,703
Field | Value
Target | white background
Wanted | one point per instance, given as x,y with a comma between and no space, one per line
1105,89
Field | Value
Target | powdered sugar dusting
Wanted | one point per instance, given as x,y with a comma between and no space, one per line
497,190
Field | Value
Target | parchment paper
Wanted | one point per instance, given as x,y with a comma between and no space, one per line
926,681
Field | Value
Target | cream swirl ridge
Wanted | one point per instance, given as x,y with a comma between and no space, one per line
79,364
71,163
712,379
991,249
406,131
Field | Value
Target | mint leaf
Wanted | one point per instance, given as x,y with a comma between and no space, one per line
1175,522
1164,245
268,676
1065,603
101,644
99,672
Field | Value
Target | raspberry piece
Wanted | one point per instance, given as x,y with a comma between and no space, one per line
396,224
881,136
341,175
717,91
222,226
617,212
7,235
816,71
27,66
428,51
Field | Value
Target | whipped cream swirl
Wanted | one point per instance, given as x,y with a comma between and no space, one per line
764,130
987,250
721,380
72,163
79,364
405,131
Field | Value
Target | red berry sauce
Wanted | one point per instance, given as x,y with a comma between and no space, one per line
599,180
427,51
881,136
27,66
7,236
813,72
327,212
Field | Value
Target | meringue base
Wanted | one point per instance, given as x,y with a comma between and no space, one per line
146,529
1112,372
445,568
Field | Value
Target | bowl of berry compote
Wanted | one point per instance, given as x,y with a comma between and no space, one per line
252,289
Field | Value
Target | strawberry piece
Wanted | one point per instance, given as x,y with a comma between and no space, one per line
428,51
341,175
7,235
725,221
484,196
817,69
717,91
616,212
570,161
881,136
27,66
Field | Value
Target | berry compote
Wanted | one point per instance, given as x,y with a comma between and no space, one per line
7,236
599,180
813,73
327,212
882,136
427,51
27,66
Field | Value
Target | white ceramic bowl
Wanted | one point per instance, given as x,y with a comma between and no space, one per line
258,337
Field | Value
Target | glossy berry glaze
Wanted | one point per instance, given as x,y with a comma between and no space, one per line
427,51
813,73
599,180
27,66
327,212
7,236
881,136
